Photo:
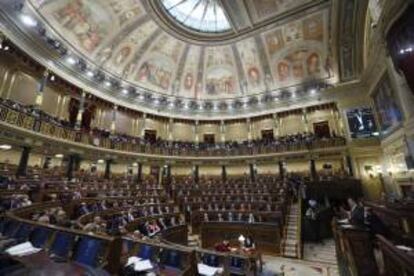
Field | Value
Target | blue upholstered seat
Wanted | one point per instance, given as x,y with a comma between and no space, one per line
23,232
127,245
3,223
62,244
40,236
88,251
11,228
145,251
211,260
171,258
237,265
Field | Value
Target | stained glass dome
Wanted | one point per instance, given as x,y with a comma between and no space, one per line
205,16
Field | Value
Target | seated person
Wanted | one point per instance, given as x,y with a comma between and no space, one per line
83,209
248,244
152,228
356,213
224,246
251,218
94,226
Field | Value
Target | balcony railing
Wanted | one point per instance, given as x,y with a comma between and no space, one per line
35,124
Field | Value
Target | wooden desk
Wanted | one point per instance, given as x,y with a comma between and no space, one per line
396,261
41,264
266,236
176,234
398,217
197,217
355,252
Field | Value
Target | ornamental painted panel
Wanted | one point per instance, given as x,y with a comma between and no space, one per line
160,63
220,77
250,59
189,76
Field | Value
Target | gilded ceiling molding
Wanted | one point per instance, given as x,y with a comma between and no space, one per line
240,71
180,70
132,66
120,36
350,41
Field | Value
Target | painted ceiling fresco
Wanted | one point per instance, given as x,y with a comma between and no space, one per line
120,36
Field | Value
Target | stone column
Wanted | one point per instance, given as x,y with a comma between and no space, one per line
223,173
281,170
275,125
252,172
249,129
78,124
113,124
195,132
73,165
139,173
313,172
349,165
63,106
42,84
24,161
170,129
305,119
108,169
196,173
143,125
223,131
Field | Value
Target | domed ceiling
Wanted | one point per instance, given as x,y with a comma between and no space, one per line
199,49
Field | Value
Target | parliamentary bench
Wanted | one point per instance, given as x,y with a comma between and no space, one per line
229,263
267,236
76,208
398,218
226,189
170,259
76,252
236,205
199,218
165,259
354,250
61,245
139,223
142,210
223,198
398,259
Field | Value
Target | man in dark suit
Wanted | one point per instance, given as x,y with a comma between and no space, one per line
356,213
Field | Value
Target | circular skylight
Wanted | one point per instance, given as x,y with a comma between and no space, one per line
201,15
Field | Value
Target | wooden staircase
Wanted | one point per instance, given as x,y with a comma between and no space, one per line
291,245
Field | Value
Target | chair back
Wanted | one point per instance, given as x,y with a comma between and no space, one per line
11,228
62,244
146,251
39,236
23,232
88,250
211,260
170,257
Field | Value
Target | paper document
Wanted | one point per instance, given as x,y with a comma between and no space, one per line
143,265
22,249
207,270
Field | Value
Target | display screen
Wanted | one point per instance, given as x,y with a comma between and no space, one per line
361,123
386,105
